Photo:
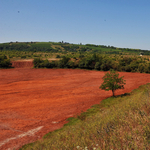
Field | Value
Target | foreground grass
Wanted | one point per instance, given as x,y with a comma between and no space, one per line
120,122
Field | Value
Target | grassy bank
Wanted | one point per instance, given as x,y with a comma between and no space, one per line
120,122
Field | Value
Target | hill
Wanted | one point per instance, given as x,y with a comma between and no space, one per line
67,47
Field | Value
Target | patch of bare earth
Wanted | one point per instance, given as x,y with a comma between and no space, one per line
34,102
28,63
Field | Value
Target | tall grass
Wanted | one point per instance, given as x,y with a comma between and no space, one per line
120,122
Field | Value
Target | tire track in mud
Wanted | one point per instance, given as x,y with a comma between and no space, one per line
28,133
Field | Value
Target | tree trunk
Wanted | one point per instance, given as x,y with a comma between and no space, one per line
113,91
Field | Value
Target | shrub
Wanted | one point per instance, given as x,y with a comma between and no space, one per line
37,62
4,62
58,56
24,56
98,66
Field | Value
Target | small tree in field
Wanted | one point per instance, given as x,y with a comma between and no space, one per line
112,82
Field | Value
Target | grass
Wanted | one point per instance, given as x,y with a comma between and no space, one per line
120,122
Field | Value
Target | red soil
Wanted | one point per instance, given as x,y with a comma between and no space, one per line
22,64
31,98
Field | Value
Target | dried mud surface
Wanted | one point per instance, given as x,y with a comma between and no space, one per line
34,102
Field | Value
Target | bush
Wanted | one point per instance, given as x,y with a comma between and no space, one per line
63,62
134,66
52,64
128,68
37,62
44,64
24,56
4,62
98,66
70,64
58,56
141,68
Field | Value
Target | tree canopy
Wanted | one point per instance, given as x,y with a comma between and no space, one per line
112,82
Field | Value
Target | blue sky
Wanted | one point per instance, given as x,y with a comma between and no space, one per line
119,23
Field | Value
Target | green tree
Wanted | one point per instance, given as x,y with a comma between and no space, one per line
112,82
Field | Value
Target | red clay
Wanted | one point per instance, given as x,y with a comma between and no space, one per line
31,98
22,64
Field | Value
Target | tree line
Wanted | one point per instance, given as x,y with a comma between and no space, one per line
98,62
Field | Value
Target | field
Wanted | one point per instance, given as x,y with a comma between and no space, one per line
37,101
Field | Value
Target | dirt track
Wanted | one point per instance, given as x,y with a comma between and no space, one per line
36,101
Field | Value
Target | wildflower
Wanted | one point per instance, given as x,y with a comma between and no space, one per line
86,148
78,147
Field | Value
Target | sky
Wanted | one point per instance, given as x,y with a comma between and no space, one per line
119,23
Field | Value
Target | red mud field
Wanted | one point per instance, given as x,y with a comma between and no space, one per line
34,102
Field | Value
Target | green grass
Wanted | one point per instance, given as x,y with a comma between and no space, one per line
120,122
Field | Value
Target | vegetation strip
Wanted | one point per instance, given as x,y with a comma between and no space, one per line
66,55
